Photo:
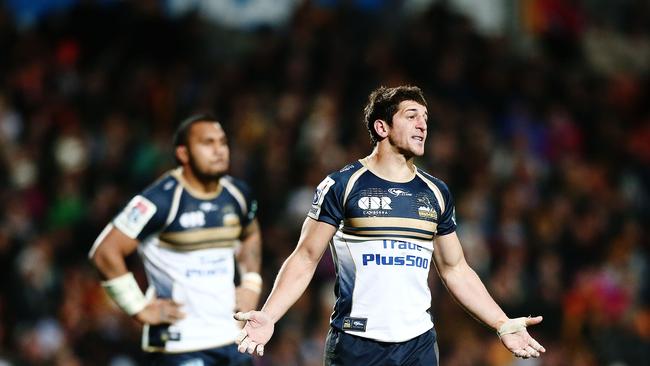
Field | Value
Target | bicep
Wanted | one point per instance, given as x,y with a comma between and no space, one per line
110,250
249,255
314,238
251,236
448,253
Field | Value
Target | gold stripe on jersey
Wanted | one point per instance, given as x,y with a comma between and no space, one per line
392,222
435,189
186,247
386,227
353,179
389,233
176,200
202,235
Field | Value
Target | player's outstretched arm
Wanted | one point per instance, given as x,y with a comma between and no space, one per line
468,290
290,283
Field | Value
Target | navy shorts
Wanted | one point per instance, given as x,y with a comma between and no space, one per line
220,356
343,349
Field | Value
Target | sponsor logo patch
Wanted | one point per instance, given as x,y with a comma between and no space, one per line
375,206
375,203
397,192
347,167
170,336
319,196
208,206
355,324
192,219
135,216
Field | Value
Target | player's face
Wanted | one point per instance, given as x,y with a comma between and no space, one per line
409,130
209,155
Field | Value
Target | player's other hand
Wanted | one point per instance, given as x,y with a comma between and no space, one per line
160,311
256,333
515,337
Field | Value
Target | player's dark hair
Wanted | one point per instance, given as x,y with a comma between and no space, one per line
183,130
383,103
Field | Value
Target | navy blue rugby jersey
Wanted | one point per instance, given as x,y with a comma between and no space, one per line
383,248
187,242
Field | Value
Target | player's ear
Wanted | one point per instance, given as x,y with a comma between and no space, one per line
182,155
381,127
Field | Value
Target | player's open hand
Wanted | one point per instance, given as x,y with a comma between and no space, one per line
515,337
256,333
160,311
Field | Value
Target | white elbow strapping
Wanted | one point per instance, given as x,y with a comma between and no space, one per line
252,281
512,326
126,293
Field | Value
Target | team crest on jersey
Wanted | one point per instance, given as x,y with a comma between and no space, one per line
426,209
230,219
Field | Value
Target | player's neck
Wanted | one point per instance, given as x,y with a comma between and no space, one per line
390,165
198,184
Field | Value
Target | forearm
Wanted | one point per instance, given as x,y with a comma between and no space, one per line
250,253
109,264
470,292
292,280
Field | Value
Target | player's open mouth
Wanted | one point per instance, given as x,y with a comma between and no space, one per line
418,138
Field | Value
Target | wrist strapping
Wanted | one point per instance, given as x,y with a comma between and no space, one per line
126,293
512,326
252,281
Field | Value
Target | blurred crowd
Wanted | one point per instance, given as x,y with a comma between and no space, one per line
543,136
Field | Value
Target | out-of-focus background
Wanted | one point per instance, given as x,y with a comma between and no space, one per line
539,122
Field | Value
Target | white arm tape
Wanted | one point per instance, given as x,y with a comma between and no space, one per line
252,281
512,326
126,293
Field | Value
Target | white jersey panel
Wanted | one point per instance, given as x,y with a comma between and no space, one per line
201,281
390,295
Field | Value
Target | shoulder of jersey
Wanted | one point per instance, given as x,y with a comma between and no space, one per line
163,188
239,183
437,181
347,171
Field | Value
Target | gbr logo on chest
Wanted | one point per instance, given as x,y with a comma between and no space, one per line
192,219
